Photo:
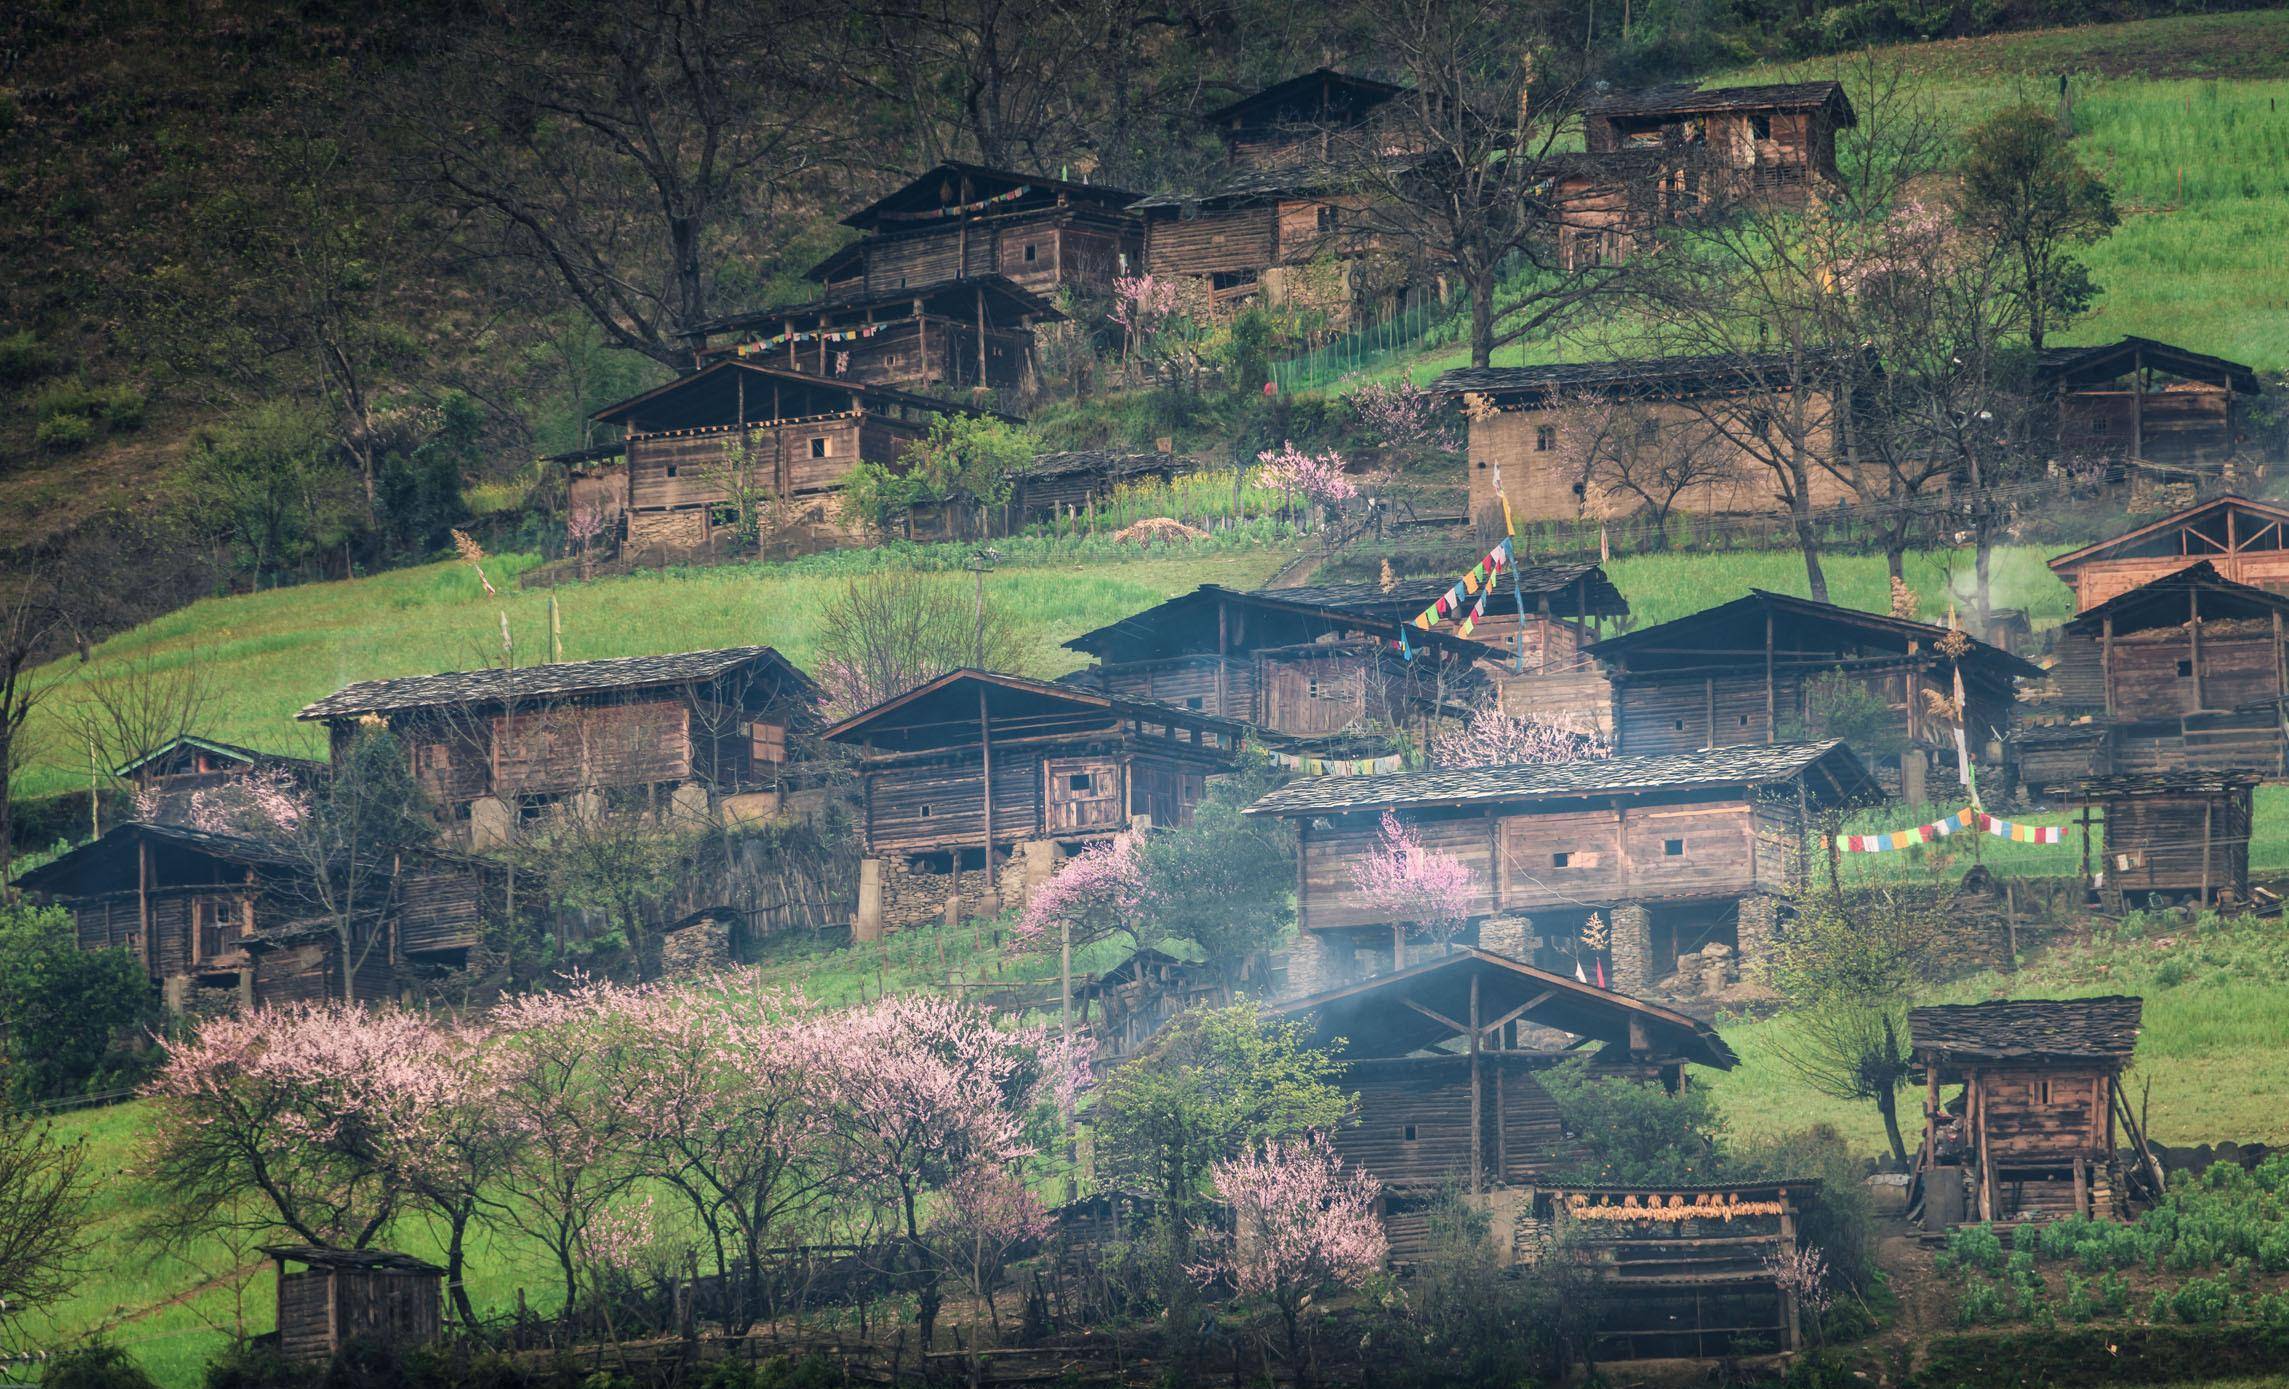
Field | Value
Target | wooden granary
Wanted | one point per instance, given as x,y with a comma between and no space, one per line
170,778
328,1298
974,784
2139,401
700,734
2167,836
1725,144
2244,540
2031,1130
954,334
1674,853
960,221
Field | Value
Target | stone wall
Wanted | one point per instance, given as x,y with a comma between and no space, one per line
682,529
912,895
700,948
1632,949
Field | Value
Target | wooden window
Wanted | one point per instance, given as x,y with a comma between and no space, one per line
1760,127
767,742
1648,430
1410,1133
2042,1092
2101,425
1326,218
821,448
1545,438
2185,670
1677,724
1673,848
1744,720
1192,702
671,470
1031,252
924,813
1561,860
1081,781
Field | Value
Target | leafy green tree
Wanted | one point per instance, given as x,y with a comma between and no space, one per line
265,481
1631,1133
1225,882
1849,970
43,1217
1215,1083
968,459
68,1017
2026,191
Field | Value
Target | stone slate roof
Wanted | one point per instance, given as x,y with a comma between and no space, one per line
2029,1028
58,873
2163,602
1655,376
1750,765
1686,100
464,687
1414,594
371,1260
2157,784
2085,366
1103,462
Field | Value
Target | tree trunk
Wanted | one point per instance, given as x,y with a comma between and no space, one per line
1808,541
1482,319
1888,1104
455,1262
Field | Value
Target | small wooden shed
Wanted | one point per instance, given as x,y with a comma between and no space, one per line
336,1296
2244,540
2175,835
2032,1130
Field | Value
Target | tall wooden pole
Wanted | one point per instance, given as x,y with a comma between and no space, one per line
1477,1152
985,749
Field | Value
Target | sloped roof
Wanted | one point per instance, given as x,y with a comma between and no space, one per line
2164,602
231,751
1203,600
1673,634
1630,376
1010,696
1374,1019
921,192
2084,366
1406,597
1103,462
705,385
1756,764
1362,92
367,1260
491,686
2268,513
57,874
2046,1029
2099,788
1685,100
1000,289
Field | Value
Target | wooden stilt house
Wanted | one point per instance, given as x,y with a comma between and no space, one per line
2031,1132
2245,541
2189,671
2139,401
974,785
2166,836
1676,854
1772,668
328,1298
975,332
961,221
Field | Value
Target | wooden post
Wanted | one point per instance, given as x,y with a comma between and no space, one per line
143,903
1709,708
1224,642
2194,642
985,748
981,335
1791,1313
1477,1153
2106,659
2209,810
1771,711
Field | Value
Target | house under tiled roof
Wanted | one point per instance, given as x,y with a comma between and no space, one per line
2047,1029
1406,597
493,686
1686,101
1838,775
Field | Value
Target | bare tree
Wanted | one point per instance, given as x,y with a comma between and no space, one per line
626,150
349,840
43,1216
1459,173
1644,449
895,629
125,713
35,622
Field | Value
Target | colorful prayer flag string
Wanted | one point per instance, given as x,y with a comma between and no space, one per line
1340,766
1480,577
1940,829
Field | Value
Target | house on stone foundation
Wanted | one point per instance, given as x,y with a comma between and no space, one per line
221,921
1685,860
1770,668
1445,1056
1300,665
2030,1130
708,736
974,786
2189,671
959,221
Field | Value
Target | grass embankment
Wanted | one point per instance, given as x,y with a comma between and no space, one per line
2214,1034
2187,119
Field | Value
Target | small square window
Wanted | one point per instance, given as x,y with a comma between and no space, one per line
1673,848
2102,425
1744,720
819,448
1192,702
671,470
1410,1133
1560,860
1677,724
1311,689
925,810
1760,127
1545,437
1080,781
1030,252
1648,430
2185,670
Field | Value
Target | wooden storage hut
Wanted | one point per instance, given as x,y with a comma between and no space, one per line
1771,668
1677,853
1724,144
2242,540
1537,426
1444,1056
1685,1270
1299,121
959,333
1070,481
328,1298
2142,401
961,221
169,777
1124,1006
2169,836
736,428
208,915
2031,1133
700,734
2187,672
1297,669
973,784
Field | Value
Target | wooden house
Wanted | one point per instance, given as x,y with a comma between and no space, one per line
2243,540
1445,1055
1277,225
2141,401
2031,1132
169,778
736,429
965,221
1770,668
1126,1005
704,735
973,332
328,1298
1544,431
974,784
1299,669
1727,144
1684,1270
2167,836
1539,621
1675,853
1070,481
2189,671
233,920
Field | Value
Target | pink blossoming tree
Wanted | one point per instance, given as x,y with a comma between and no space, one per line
1097,892
1407,420
1301,1224
1406,881
1494,737
986,1214
1316,478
